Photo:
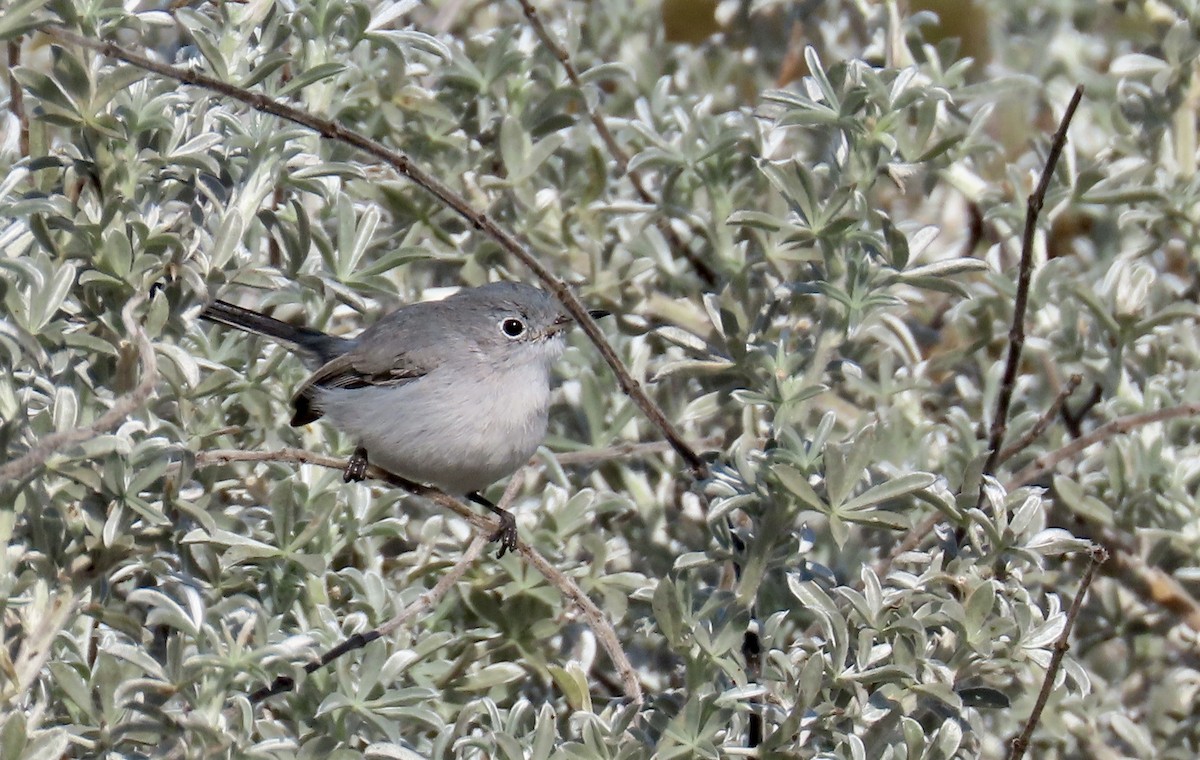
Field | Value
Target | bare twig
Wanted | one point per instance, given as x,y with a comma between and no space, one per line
1016,334
569,589
1047,462
1043,422
614,148
423,604
403,164
1156,586
20,467
16,97
1019,744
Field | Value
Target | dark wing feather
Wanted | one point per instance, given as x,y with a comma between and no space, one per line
351,370
401,347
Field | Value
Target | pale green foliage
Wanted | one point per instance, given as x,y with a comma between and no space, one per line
847,366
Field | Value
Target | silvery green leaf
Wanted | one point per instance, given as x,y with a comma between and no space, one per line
21,17
1136,64
45,303
66,409
890,489
227,239
740,695
1053,541
46,744
798,485
390,751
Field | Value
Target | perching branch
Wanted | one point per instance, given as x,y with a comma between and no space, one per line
424,179
1019,744
1016,333
21,466
567,587
614,149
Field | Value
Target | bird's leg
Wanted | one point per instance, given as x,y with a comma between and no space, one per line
506,534
356,466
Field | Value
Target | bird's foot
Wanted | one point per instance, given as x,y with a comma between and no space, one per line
356,466
506,533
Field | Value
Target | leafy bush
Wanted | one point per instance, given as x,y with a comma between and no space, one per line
815,282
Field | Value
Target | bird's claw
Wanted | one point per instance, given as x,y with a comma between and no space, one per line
506,533
356,466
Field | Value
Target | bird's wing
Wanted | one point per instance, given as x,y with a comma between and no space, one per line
357,369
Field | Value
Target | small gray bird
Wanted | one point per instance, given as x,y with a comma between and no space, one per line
452,393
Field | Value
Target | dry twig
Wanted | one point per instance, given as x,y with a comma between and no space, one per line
1043,422
1019,744
16,97
1016,333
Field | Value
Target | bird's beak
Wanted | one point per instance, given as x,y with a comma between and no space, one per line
566,320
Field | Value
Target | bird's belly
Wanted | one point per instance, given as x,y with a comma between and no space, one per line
447,431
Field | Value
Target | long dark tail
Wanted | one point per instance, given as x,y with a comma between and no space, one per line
315,343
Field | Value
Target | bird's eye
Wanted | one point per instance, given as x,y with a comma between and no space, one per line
512,327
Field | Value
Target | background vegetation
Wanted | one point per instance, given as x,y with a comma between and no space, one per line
816,283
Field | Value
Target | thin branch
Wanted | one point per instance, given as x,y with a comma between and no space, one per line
20,467
1016,334
403,164
614,148
423,604
1047,462
567,587
16,97
1019,744
1043,422
910,541
918,533
1156,586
